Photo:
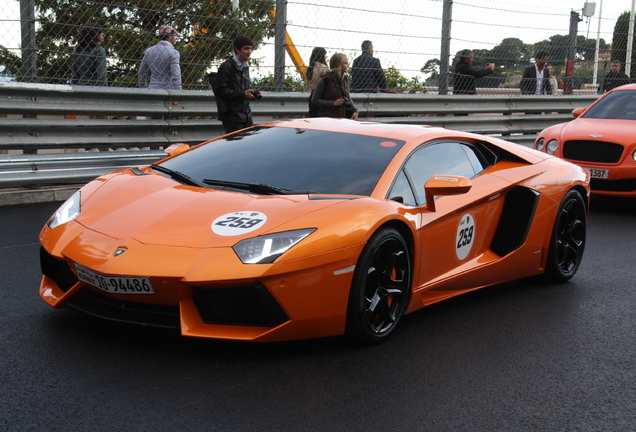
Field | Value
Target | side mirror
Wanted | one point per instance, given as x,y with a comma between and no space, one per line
443,185
577,111
175,149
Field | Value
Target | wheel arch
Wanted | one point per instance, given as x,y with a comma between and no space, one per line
586,196
404,230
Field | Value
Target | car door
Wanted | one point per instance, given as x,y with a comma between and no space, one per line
457,234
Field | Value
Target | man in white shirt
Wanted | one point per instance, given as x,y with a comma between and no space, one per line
161,61
536,78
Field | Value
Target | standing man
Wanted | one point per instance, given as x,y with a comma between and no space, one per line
536,78
613,78
232,87
367,75
161,61
465,75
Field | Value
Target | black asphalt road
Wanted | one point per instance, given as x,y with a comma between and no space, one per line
515,357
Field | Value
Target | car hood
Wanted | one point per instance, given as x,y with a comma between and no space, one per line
615,131
155,210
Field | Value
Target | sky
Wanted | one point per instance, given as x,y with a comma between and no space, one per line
406,33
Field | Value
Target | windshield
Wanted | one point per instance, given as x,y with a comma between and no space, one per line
619,105
290,159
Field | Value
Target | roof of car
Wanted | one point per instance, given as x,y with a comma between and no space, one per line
371,128
626,87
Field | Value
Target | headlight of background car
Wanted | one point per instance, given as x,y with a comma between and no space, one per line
67,212
540,144
634,155
265,249
553,145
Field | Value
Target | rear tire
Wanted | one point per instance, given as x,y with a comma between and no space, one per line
568,239
381,288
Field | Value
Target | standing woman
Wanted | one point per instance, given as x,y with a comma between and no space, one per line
331,95
317,67
89,59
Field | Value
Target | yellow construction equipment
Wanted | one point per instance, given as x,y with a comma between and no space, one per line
292,52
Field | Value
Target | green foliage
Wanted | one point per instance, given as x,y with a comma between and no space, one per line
511,53
292,84
397,82
206,30
431,67
619,43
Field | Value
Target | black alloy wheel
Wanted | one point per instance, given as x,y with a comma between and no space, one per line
381,287
568,238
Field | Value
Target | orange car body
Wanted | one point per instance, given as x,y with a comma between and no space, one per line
604,144
167,234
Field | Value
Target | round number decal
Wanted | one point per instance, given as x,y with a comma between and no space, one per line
465,236
238,223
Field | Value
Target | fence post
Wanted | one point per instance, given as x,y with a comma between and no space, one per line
447,17
27,19
279,42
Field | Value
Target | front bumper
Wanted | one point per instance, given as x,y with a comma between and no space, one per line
203,292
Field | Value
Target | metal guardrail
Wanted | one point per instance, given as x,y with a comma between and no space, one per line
124,118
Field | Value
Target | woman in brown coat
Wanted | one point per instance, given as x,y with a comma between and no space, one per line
331,95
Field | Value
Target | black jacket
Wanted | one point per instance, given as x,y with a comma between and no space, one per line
367,74
464,82
229,89
611,81
528,84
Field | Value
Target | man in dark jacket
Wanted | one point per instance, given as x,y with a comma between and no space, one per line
465,75
613,78
536,78
232,87
367,75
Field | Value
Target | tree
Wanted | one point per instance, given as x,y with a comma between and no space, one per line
292,84
559,46
510,53
431,68
206,30
619,43
396,82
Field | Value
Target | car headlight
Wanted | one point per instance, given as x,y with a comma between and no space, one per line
552,146
634,155
265,249
67,211
540,144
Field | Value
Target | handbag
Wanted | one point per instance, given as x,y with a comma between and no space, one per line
313,109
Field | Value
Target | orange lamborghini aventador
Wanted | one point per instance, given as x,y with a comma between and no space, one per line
601,139
312,227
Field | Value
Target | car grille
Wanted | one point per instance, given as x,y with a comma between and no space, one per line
58,270
592,151
99,305
241,305
624,185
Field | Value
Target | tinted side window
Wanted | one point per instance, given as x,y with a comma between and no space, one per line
441,158
479,163
619,105
402,188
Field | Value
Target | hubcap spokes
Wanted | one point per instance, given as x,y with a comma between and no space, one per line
571,236
386,286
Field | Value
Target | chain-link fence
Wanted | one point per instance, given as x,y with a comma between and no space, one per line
408,38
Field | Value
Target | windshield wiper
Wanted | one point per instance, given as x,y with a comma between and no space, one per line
256,187
178,175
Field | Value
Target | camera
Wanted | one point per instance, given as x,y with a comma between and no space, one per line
346,102
257,94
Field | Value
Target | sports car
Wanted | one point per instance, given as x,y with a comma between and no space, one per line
309,228
601,139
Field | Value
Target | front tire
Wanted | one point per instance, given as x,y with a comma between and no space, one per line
381,288
568,238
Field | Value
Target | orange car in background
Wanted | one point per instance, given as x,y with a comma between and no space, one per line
601,139
312,227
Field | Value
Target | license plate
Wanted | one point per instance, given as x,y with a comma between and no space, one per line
598,173
115,284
